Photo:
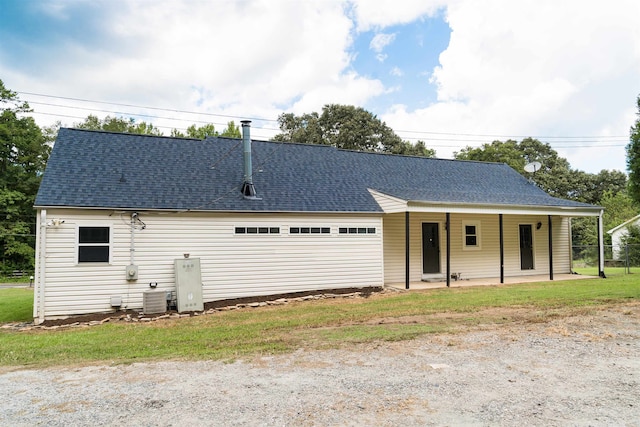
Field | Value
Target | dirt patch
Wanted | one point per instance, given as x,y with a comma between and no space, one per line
578,367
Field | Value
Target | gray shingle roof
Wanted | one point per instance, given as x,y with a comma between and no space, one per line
125,171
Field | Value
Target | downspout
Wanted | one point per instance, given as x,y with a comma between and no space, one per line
501,248
40,273
448,225
550,249
406,250
601,246
132,247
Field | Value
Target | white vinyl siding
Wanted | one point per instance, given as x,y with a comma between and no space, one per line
394,248
481,263
561,245
560,239
233,265
389,204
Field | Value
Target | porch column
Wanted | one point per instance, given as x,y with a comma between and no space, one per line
501,248
447,226
406,250
550,250
601,246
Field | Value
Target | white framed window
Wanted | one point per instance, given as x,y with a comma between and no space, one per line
257,230
357,230
471,235
309,230
94,244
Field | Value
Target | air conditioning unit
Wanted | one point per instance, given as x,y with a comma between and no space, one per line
154,302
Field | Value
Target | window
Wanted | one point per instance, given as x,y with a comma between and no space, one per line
93,244
309,230
257,230
471,235
359,230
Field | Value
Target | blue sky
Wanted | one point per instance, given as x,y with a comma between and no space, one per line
402,57
450,72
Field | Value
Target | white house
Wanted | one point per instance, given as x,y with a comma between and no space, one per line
618,233
118,212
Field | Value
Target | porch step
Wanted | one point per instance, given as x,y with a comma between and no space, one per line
435,278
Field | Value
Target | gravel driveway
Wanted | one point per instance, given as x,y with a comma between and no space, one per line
582,371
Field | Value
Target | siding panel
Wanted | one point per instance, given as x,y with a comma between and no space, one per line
474,263
232,265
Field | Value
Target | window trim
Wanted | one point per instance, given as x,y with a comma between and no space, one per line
306,230
478,236
255,230
367,231
78,245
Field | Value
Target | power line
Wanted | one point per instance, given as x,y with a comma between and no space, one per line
82,118
468,142
512,136
123,113
140,106
457,137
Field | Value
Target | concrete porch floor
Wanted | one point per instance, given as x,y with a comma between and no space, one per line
491,281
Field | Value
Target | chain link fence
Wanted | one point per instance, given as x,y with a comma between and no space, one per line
618,259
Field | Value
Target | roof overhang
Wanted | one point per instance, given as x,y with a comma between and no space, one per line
392,204
205,211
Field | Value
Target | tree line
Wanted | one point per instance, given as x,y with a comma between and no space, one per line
25,150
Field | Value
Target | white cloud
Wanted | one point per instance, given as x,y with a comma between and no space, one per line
384,13
532,67
380,41
396,72
536,68
250,58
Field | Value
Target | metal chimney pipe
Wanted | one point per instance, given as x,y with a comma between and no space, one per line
248,190
246,142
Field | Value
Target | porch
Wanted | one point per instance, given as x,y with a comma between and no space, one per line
490,281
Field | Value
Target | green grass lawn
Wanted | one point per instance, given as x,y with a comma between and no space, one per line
16,305
311,324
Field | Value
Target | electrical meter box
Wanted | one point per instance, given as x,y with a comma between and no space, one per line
188,285
132,272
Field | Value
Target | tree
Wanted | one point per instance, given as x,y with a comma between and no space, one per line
346,127
591,188
418,149
633,157
508,152
632,240
232,131
118,124
303,129
618,208
201,132
24,153
555,176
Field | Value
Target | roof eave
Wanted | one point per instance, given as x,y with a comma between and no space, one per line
223,211
515,209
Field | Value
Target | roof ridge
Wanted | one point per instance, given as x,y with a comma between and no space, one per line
129,133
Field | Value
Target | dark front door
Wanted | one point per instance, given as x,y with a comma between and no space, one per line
430,248
526,247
